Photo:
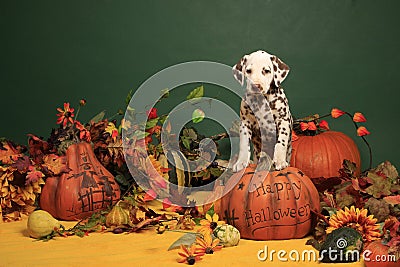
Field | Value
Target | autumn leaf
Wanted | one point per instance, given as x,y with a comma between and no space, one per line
380,186
9,153
55,164
150,195
392,200
22,164
33,175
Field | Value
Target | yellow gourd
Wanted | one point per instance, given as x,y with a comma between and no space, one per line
41,223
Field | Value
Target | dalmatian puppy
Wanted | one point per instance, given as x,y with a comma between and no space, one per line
265,73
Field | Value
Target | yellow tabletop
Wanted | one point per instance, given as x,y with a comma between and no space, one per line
145,248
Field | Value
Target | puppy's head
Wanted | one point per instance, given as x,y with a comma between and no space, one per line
261,70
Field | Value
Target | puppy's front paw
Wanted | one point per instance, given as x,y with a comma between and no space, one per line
239,165
280,165
280,157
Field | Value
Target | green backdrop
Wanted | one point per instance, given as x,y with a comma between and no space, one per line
342,53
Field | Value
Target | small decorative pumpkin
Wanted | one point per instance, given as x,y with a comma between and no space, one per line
378,256
322,155
88,186
280,207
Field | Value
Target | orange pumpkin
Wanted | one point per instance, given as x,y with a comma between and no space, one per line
88,186
280,207
378,256
322,155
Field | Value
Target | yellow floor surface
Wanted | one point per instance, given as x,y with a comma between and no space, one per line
146,248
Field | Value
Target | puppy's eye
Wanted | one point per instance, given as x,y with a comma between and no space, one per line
265,71
248,71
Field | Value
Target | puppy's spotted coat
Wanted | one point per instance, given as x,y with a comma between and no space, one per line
264,74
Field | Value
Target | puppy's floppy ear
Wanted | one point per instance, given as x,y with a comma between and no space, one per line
238,69
281,70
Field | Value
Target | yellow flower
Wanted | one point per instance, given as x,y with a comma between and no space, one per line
357,219
209,224
112,130
208,245
189,255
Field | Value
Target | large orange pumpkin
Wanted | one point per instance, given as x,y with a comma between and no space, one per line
322,155
88,186
378,256
280,207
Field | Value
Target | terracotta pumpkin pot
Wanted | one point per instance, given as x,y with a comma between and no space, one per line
88,186
322,155
379,256
279,207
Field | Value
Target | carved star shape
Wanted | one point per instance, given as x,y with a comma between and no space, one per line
241,185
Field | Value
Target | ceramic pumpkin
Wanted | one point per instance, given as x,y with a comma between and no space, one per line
88,186
277,208
322,155
379,256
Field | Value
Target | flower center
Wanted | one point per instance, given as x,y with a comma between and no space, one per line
213,225
68,114
191,260
209,250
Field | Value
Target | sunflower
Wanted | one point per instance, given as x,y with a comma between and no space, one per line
189,255
357,219
209,224
207,245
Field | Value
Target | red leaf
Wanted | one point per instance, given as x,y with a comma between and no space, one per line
33,176
22,164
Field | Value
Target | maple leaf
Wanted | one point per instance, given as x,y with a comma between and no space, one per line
55,164
392,200
348,169
37,148
388,170
343,197
33,175
9,153
380,186
22,164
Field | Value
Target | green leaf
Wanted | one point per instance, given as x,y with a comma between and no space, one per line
189,132
186,142
163,118
165,93
98,117
121,179
186,240
197,115
140,134
211,211
129,97
196,93
151,123
216,172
